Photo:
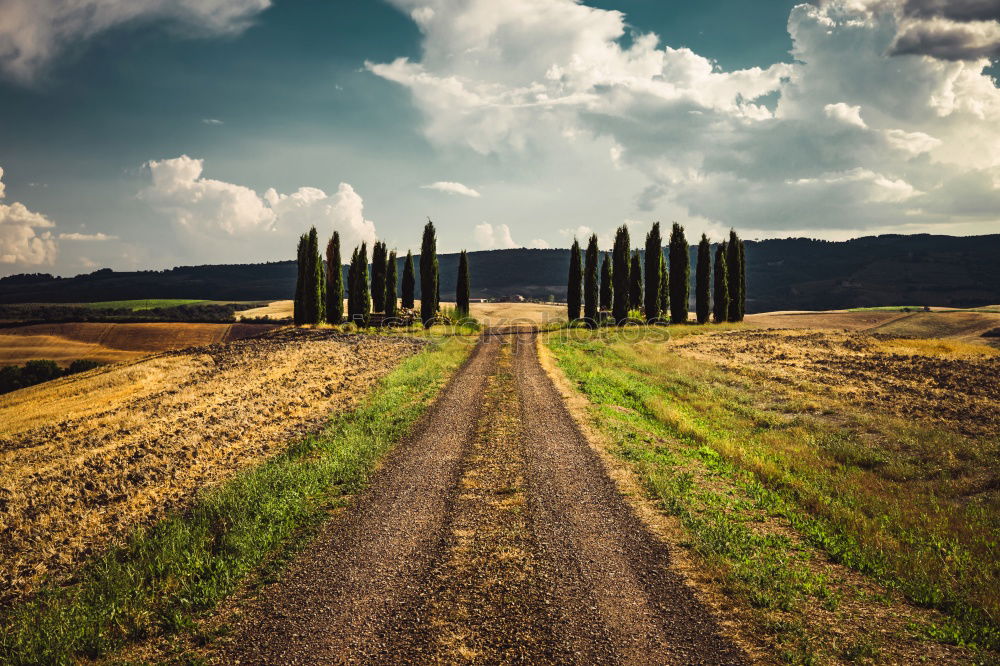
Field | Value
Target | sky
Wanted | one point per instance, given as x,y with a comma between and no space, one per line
146,134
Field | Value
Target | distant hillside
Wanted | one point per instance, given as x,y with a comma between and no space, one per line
788,274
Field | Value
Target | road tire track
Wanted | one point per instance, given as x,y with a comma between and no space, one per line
494,535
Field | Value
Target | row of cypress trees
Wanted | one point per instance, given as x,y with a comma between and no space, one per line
319,288
628,281
310,287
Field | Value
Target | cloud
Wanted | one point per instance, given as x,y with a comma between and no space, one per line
207,208
949,40
87,237
946,29
34,32
308,206
204,205
490,237
845,113
21,242
956,10
452,188
211,121
850,137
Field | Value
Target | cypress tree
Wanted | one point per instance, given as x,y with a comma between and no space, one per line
428,275
390,286
743,282
334,281
735,270
352,287
607,286
408,281
364,295
680,275
620,276
590,286
321,278
664,286
314,293
378,276
300,286
573,293
654,264
462,287
720,309
635,281
703,280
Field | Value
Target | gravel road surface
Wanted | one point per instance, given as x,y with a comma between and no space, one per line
493,535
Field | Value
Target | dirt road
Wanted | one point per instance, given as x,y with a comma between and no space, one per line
493,536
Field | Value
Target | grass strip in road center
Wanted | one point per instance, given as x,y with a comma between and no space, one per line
167,574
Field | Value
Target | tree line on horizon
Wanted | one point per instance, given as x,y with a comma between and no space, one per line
628,281
371,287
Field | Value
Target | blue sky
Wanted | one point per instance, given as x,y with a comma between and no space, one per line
147,135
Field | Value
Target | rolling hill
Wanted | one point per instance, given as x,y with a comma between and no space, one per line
785,274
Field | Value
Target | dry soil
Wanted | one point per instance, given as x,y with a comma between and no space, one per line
85,459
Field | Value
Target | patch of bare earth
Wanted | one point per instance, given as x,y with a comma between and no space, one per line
84,460
110,343
959,393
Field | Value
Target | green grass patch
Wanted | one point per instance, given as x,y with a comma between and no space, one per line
168,574
142,304
877,494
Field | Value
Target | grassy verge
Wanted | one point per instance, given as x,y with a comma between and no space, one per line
770,486
166,575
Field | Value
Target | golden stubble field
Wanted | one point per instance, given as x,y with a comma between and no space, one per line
85,459
490,314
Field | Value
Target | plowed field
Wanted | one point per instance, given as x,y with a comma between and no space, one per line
109,343
85,459
953,384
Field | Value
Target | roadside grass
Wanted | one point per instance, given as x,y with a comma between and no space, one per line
165,576
764,478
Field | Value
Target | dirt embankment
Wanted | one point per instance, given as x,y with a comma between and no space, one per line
85,459
110,343
950,384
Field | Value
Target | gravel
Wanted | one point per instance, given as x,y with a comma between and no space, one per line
493,535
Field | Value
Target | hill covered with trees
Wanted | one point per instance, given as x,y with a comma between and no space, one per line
785,274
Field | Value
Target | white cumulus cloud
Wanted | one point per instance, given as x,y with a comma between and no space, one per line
33,32
450,187
342,211
493,237
208,208
204,205
24,239
848,136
